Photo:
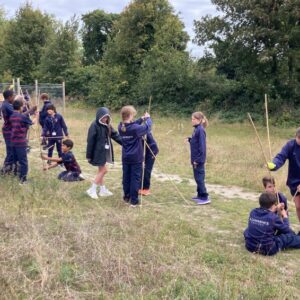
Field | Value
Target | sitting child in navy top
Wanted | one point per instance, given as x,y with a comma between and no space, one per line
131,133
267,234
269,185
73,171
290,152
19,127
54,130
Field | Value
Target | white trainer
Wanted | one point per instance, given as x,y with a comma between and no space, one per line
92,194
104,192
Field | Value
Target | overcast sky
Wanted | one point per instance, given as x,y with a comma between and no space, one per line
189,10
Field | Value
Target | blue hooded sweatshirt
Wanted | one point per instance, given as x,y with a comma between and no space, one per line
198,145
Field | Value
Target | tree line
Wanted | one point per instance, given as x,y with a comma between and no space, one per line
252,48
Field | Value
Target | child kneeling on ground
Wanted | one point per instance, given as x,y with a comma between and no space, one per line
73,172
267,234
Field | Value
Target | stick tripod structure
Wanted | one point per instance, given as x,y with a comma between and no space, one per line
144,153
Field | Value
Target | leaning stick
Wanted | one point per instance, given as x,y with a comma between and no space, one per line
181,195
144,153
267,122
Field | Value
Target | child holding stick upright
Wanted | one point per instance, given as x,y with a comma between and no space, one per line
290,152
198,156
99,150
132,133
54,130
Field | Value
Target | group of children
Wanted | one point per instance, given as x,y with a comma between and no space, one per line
268,228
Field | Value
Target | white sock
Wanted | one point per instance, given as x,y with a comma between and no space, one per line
102,188
94,187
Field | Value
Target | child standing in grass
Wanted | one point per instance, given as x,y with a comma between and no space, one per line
54,130
132,133
198,156
266,233
99,150
290,152
269,185
73,171
149,163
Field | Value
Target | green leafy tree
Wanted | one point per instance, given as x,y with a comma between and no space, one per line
97,28
26,37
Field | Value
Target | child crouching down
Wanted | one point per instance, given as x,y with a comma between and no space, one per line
73,171
132,133
99,150
267,234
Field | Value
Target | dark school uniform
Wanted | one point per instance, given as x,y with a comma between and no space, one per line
54,129
19,127
290,152
267,234
99,150
198,156
132,156
43,112
72,168
7,110
149,159
283,199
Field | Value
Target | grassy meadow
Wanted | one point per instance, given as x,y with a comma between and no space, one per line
57,243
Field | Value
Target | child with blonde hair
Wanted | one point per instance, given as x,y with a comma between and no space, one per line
198,156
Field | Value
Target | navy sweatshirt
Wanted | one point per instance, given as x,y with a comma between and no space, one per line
132,144
7,110
70,162
43,113
198,145
152,144
290,152
260,234
55,127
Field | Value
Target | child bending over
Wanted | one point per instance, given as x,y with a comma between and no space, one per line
73,171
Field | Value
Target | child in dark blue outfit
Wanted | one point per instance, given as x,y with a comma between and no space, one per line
6,111
131,133
73,171
19,127
290,152
54,130
43,112
198,156
267,234
149,163
269,185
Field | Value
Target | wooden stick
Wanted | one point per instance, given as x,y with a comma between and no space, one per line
267,122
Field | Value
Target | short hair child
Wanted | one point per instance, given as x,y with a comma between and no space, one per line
267,233
198,156
73,170
132,133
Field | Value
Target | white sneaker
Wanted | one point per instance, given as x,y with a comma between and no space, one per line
105,192
92,194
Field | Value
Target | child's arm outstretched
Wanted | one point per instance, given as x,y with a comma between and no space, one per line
145,128
116,136
279,160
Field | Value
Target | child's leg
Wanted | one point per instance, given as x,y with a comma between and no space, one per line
21,155
9,159
135,182
297,204
51,144
58,147
99,179
149,162
126,181
68,176
199,175
62,175
288,240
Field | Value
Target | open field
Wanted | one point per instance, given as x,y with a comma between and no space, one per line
56,243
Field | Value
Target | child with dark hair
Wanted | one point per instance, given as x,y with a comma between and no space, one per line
19,127
73,170
269,185
266,233
198,156
6,111
43,112
99,151
149,163
290,152
132,151
54,130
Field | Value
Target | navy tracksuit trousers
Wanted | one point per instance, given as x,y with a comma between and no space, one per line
149,163
20,158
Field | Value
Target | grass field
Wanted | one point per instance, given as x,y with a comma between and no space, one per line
56,243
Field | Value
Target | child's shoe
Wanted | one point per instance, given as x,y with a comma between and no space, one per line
196,198
145,192
203,201
92,193
104,192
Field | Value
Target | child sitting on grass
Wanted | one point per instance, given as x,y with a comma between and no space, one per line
267,234
73,171
269,185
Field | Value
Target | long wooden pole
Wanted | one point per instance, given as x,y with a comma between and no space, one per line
267,122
